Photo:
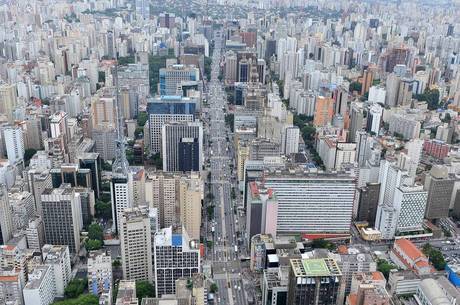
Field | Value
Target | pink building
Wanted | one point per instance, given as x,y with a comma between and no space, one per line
436,148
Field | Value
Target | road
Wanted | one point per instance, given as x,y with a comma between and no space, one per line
224,253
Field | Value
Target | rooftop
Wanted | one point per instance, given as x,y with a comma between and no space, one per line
315,267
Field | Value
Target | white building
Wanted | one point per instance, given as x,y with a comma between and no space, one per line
99,272
136,244
291,140
58,258
6,219
377,94
374,117
41,288
14,141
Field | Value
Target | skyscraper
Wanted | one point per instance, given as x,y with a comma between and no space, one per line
8,100
14,141
439,185
171,77
62,217
174,243
190,196
313,282
136,244
6,219
182,146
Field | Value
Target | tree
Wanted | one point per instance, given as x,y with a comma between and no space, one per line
103,209
355,86
157,161
106,166
144,289
229,119
75,288
142,118
322,244
435,256
86,299
213,288
95,232
116,263
431,97
122,61
93,244
28,154
385,267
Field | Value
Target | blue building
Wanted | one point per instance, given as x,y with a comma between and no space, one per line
453,274
172,77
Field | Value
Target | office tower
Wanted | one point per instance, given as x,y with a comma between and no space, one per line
58,258
291,140
340,96
136,244
92,161
87,203
182,146
59,125
126,293
368,78
190,196
161,194
313,282
243,70
405,92
396,56
40,288
171,78
374,117
6,219
39,180
103,111
356,120
105,142
414,152
439,185
35,234
313,203
8,100
72,174
368,203
324,111
62,217
275,286
167,109
401,204
121,198
11,286
350,262
99,272
186,259
14,141
230,67
262,210
392,89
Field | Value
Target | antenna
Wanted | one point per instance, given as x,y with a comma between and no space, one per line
120,165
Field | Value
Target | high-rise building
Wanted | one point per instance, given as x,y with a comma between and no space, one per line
190,197
6,218
40,289
161,193
8,100
312,203
182,146
171,78
14,141
291,140
58,258
374,118
439,185
275,286
356,120
313,282
368,78
62,217
105,142
103,111
167,109
324,111
186,261
262,210
35,234
368,203
121,198
11,286
99,272
92,161
136,244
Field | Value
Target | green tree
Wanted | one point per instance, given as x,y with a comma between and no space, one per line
435,256
356,86
84,299
106,166
322,244
101,77
122,61
142,118
157,161
229,119
95,232
213,288
93,244
144,289
385,267
116,263
28,154
75,288
431,97
103,209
